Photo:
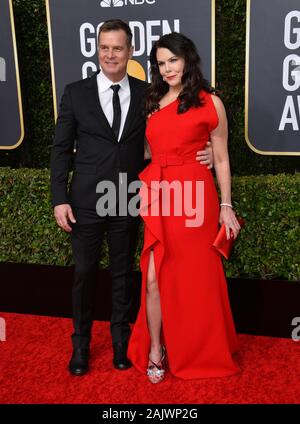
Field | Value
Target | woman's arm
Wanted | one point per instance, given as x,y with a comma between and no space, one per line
219,139
147,151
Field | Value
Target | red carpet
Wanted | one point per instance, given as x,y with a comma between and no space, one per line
34,357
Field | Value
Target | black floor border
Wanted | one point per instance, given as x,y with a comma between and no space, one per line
259,307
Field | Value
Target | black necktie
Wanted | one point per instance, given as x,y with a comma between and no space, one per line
117,110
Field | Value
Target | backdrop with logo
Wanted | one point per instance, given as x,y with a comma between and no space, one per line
11,115
73,26
273,77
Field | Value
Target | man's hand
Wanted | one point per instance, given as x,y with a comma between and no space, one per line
205,157
63,214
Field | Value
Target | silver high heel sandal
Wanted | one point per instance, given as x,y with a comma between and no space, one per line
156,371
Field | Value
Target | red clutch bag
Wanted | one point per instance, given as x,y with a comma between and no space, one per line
224,245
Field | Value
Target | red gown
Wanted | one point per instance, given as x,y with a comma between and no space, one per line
197,326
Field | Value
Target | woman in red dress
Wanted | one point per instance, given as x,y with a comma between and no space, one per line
185,314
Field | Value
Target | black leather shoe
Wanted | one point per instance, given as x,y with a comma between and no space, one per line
79,363
120,360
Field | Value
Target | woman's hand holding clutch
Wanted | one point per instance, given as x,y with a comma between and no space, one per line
229,219
229,223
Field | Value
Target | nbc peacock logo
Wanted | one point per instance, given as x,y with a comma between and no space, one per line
120,3
111,3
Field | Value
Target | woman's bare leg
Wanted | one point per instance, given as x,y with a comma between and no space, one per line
153,312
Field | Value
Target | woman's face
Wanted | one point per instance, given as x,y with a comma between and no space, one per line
170,66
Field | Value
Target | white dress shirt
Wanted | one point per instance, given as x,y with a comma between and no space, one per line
106,94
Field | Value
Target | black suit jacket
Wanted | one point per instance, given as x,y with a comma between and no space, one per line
99,156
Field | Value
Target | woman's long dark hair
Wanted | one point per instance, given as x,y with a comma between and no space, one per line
192,79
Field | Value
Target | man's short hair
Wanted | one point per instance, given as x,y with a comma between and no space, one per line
115,25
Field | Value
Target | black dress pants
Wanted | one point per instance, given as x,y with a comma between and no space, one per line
87,241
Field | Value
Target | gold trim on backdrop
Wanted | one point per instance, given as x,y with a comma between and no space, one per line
213,43
51,58
260,152
12,24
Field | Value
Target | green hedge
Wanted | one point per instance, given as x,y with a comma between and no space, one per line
34,63
268,247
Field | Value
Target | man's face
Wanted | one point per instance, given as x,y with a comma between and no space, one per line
114,54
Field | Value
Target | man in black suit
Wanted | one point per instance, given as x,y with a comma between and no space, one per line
103,114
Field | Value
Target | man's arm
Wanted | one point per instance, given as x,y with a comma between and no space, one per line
206,157
61,155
